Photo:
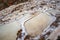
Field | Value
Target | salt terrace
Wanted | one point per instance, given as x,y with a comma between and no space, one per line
37,20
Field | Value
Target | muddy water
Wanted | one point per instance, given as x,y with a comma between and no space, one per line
8,31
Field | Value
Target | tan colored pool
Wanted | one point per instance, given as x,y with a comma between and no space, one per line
36,25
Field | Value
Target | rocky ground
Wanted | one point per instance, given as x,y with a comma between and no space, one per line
6,3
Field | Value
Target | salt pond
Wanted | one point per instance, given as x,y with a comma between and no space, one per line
8,31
